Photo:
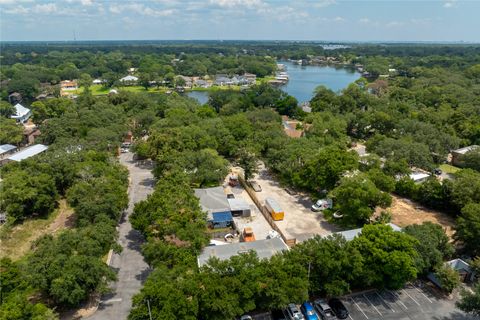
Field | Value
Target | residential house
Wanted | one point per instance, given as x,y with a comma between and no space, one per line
188,81
201,83
251,78
129,80
6,149
68,85
351,234
99,81
22,114
15,98
458,155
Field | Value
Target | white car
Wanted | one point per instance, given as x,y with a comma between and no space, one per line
321,205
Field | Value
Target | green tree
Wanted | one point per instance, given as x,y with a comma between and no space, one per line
10,132
389,256
465,188
448,278
472,160
433,245
6,109
356,198
85,81
467,228
248,161
28,87
470,302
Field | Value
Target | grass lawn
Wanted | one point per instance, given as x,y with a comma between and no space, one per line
448,168
16,240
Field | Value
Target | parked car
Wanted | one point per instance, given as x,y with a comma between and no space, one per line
321,205
338,308
293,313
323,309
308,311
255,186
124,150
246,317
437,171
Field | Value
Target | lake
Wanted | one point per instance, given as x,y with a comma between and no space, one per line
303,80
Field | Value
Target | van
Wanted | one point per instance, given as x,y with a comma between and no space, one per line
274,208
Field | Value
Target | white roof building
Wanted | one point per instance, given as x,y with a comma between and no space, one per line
129,78
21,113
351,234
28,152
4,148
419,176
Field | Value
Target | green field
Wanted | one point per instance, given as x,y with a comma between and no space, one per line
448,168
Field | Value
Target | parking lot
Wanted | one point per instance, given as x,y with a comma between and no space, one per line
414,302
299,221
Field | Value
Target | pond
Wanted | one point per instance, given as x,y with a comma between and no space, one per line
303,80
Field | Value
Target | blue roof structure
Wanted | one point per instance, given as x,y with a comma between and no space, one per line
219,217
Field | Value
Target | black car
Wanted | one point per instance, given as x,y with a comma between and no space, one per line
338,308
437,171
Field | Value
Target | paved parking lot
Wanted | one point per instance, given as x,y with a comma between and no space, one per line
299,221
410,303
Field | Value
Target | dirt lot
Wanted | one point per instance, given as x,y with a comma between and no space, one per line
406,212
299,222
16,241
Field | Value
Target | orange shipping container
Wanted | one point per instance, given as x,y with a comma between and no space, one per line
274,208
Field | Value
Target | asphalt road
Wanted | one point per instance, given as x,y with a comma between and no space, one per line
131,269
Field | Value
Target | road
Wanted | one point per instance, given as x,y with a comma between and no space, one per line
131,269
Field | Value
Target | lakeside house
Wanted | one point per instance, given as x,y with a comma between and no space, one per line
68,85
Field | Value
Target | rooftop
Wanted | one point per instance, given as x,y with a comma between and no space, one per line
466,149
264,248
213,199
351,234
20,111
6,147
28,152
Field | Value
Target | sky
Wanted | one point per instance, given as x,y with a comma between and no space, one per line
329,20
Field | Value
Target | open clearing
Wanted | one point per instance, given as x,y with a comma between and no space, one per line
406,212
16,241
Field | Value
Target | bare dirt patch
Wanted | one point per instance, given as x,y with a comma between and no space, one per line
17,241
406,212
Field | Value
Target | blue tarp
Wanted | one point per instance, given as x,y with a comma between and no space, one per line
222,219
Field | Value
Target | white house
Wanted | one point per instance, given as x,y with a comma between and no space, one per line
21,113
129,80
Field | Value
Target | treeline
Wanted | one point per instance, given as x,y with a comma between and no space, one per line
63,270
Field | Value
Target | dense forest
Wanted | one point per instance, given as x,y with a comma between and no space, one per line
411,119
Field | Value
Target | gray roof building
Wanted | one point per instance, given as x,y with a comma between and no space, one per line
351,234
264,248
4,148
213,199
21,113
28,152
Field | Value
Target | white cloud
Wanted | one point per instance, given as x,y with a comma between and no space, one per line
86,2
14,1
395,24
450,4
324,3
17,10
140,9
238,3
45,8
364,20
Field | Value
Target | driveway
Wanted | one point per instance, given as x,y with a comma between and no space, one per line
300,221
131,269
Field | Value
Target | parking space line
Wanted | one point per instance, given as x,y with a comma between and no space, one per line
410,297
395,295
423,294
372,304
358,307
350,317
385,302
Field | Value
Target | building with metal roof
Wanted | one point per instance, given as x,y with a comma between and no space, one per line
265,249
212,199
21,113
28,152
239,207
351,234
5,148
